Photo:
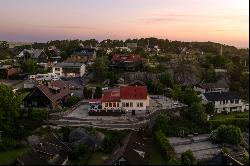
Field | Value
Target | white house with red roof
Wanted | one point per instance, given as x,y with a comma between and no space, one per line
126,99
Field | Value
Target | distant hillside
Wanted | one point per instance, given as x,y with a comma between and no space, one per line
14,44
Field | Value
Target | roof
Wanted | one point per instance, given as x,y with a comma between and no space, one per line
95,101
133,92
34,53
5,66
137,82
84,51
222,83
123,57
59,85
112,95
49,145
132,148
68,64
219,96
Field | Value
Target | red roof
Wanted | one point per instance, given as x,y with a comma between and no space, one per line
60,85
133,92
112,95
122,57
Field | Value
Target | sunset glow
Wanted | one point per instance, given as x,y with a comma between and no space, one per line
225,21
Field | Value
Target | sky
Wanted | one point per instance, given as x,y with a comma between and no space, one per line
223,21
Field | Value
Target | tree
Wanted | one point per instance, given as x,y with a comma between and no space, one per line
227,134
209,74
4,45
196,113
209,107
9,111
98,92
187,158
166,79
189,96
30,66
72,100
161,122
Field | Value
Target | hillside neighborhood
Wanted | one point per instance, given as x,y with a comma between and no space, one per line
141,101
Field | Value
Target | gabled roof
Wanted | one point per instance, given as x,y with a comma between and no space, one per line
219,96
49,145
133,92
34,53
68,64
222,83
132,148
84,52
123,57
112,95
59,84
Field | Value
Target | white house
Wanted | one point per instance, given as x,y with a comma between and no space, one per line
128,99
219,86
224,101
66,69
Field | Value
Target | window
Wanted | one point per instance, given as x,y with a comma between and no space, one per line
131,104
123,104
110,104
57,69
117,104
236,101
138,104
114,104
127,104
106,104
141,104
231,101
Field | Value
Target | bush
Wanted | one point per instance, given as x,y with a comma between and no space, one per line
72,100
164,145
242,123
187,158
77,153
227,134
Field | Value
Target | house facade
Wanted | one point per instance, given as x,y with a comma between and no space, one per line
82,55
66,69
224,101
212,87
37,54
7,71
127,62
130,151
47,96
126,99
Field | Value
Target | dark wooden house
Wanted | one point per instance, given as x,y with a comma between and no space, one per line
47,96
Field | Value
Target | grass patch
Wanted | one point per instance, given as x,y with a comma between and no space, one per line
9,157
155,157
233,115
97,158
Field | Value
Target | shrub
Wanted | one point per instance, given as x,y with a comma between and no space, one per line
187,158
164,145
72,100
227,134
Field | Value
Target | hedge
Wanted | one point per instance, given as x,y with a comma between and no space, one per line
164,145
242,123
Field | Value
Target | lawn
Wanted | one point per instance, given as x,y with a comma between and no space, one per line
233,115
8,157
155,158
97,158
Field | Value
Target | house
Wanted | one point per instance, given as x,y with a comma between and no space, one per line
220,86
83,55
44,77
50,151
36,54
224,101
130,151
47,96
66,69
132,45
127,62
7,71
126,99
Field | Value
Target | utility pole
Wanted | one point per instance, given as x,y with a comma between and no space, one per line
221,50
